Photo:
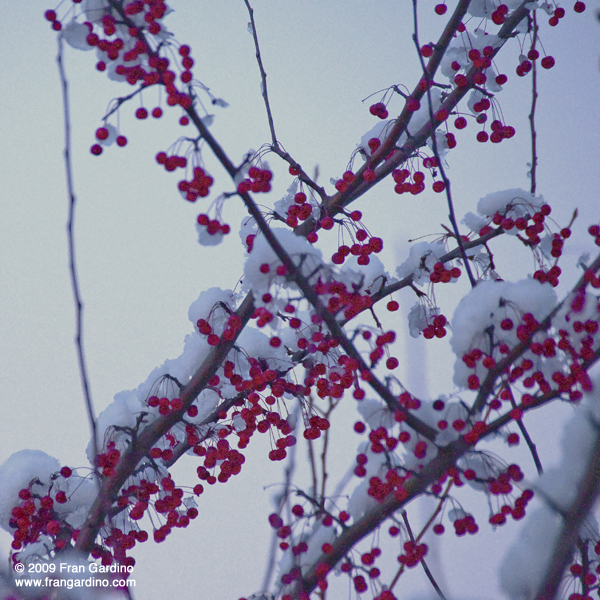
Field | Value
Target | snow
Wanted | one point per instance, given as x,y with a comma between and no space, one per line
369,277
257,345
483,309
19,470
513,203
281,206
206,307
422,257
208,239
297,247
75,35
379,131
525,563
419,317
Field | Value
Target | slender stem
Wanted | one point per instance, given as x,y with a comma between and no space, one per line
72,262
263,73
430,576
534,97
434,145
532,447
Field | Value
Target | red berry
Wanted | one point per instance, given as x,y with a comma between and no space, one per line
327,223
101,133
359,427
548,62
579,7
440,9
392,363
121,140
141,113
460,123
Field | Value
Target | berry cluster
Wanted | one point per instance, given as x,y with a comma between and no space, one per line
416,186
170,163
35,516
413,553
379,110
108,460
299,211
465,525
197,187
517,512
442,275
437,328
551,276
258,180
230,462
213,226
521,223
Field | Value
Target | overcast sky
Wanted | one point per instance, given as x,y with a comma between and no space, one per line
140,265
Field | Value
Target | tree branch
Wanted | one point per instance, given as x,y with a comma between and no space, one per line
72,262
263,74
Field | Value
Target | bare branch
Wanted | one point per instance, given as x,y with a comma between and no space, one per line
572,522
534,97
263,74
72,262
440,165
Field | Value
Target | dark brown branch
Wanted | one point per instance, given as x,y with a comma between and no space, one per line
374,517
139,448
304,178
453,254
572,522
490,379
334,327
383,161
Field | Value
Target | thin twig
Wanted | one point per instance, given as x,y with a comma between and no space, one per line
445,179
534,97
71,243
263,73
532,447
430,576
284,497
